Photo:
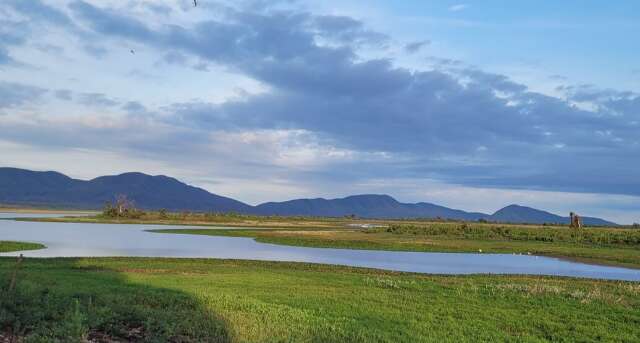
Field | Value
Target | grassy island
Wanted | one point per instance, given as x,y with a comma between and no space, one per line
9,246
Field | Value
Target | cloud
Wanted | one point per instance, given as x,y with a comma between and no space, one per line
347,30
10,37
64,94
414,47
458,7
173,57
37,10
4,56
14,94
96,100
557,77
332,114
444,63
96,51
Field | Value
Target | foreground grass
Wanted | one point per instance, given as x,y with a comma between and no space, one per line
197,300
9,246
618,247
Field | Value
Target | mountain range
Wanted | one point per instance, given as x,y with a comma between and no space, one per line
53,189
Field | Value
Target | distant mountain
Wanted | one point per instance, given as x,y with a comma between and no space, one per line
25,187
367,206
523,214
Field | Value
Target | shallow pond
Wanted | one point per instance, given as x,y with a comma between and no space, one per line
81,240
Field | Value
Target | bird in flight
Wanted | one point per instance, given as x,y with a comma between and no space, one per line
133,51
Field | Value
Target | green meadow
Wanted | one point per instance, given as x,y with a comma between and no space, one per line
200,300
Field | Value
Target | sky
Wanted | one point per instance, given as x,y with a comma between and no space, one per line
473,105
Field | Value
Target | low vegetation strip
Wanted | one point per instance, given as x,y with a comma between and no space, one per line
592,236
9,246
197,300
449,238
200,219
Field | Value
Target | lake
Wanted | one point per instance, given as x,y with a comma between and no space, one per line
101,240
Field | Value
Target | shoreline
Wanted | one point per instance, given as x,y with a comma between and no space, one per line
337,235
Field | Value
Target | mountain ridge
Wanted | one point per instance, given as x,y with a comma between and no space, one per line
51,188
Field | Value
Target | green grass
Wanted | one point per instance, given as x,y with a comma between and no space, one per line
618,247
202,219
197,300
8,246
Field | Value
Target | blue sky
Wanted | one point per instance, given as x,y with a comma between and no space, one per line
473,105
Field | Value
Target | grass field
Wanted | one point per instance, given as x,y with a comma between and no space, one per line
595,245
196,300
8,246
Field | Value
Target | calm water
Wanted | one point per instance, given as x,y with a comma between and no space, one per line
67,239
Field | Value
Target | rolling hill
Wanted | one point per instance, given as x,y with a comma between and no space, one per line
25,187
523,214
52,189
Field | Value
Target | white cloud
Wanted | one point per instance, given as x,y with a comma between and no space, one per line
458,7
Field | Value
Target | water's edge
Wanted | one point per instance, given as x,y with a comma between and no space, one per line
133,240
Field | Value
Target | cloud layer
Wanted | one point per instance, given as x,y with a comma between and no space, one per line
326,108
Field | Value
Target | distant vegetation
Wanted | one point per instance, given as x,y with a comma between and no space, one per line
124,211
594,236
110,212
197,300
614,246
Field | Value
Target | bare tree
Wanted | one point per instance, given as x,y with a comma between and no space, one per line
123,204
576,221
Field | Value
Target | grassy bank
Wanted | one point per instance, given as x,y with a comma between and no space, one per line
204,219
245,301
37,210
8,246
595,245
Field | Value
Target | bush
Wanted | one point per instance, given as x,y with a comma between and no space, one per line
122,207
